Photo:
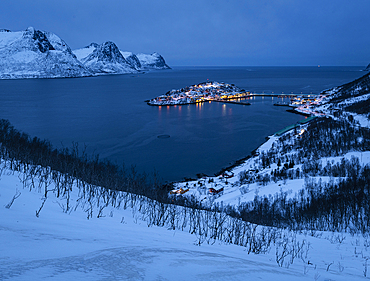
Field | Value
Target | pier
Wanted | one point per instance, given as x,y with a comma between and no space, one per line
281,95
234,102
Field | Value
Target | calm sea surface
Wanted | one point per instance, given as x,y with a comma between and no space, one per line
109,115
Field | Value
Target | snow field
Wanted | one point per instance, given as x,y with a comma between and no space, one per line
120,246
8,38
83,53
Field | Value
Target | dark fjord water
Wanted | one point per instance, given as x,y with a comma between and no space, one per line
109,115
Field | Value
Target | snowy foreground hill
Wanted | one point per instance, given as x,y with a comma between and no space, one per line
37,54
298,209
40,240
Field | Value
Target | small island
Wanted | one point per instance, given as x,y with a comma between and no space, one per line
206,91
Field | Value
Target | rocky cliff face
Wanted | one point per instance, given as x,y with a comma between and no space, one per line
37,54
132,59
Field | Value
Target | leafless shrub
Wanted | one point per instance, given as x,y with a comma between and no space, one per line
17,194
42,205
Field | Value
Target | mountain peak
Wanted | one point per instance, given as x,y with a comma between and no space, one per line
39,39
107,58
108,52
30,30
92,45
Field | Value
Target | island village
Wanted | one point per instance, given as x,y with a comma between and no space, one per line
207,91
223,92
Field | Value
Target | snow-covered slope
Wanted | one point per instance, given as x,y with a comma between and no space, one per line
106,58
119,245
153,61
352,97
37,54
367,67
83,53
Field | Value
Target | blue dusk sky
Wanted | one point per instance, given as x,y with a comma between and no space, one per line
208,32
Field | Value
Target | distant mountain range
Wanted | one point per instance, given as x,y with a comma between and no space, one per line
107,58
37,54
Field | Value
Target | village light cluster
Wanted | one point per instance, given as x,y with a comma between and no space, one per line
207,91
305,104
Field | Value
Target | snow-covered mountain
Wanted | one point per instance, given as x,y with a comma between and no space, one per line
153,61
135,62
104,58
36,54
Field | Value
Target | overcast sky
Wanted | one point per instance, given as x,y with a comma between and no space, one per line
208,32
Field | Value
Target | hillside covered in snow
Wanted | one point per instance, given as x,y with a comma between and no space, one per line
37,54
49,232
353,97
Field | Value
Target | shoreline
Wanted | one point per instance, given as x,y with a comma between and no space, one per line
298,112
230,100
